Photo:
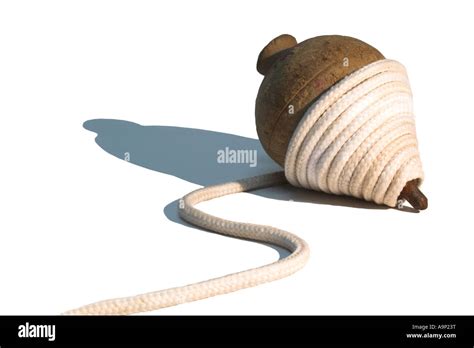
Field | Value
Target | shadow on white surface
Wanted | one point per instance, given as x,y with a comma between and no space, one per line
191,154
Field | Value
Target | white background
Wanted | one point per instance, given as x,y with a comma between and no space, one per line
78,225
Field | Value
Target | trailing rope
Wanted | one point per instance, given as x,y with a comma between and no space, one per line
170,297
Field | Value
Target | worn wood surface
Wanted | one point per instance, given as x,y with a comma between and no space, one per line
295,76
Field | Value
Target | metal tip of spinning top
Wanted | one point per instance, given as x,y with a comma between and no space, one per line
414,196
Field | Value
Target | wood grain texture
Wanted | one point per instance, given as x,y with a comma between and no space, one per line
295,76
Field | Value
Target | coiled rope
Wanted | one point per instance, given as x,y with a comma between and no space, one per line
357,139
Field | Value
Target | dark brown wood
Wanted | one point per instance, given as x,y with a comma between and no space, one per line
274,50
414,196
295,76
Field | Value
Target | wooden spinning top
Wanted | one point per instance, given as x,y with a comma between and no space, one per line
296,75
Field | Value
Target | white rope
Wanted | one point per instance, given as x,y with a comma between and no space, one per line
170,297
358,139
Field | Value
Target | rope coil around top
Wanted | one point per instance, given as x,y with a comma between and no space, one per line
358,138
